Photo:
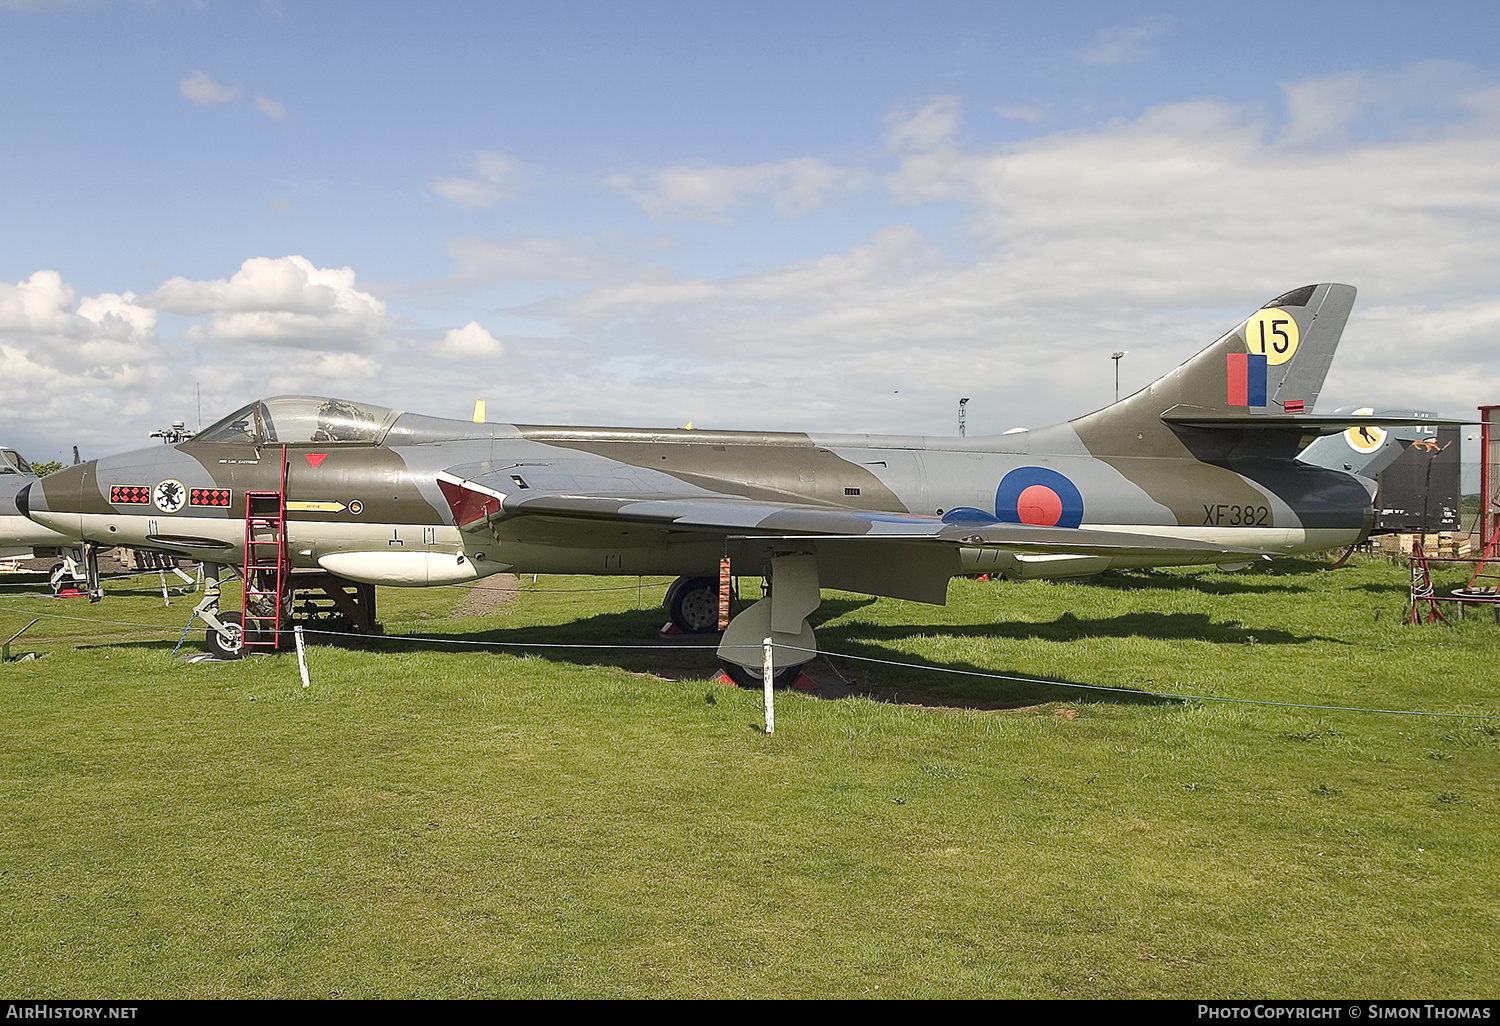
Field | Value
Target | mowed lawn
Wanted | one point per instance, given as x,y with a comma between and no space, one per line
453,820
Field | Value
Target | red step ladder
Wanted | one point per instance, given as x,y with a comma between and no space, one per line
1490,576
266,570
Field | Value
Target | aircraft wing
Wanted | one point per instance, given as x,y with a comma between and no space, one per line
904,555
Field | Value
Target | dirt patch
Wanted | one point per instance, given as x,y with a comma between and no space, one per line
488,595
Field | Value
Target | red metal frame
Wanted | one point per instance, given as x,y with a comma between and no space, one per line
265,564
1489,494
1489,468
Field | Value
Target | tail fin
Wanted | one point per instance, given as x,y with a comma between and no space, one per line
1270,367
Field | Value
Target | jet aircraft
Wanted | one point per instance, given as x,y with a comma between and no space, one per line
1197,468
1368,447
20,536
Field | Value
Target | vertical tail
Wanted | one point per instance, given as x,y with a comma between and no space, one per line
1272,364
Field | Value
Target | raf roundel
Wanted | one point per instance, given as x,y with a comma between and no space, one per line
1036,495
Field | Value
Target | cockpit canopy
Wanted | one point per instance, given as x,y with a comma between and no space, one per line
289,419
11,462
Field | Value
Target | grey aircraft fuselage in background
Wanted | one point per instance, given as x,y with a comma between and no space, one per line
19,535
1199,467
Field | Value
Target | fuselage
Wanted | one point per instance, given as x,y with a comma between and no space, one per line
19,535
371,509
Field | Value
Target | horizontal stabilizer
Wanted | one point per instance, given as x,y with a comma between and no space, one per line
1186,416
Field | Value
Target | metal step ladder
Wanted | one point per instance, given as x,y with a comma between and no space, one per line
1487,572
266,570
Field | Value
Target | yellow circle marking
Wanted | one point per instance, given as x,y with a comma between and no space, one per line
1365,437
1272,334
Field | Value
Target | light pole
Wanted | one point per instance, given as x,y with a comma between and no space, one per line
1116,357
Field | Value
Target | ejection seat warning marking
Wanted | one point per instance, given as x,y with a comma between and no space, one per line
1272,334
315,459
316,507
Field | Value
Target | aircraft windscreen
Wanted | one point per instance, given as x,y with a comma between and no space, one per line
288,419
11,462
245,425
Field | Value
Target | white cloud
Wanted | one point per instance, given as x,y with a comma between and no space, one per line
80,371
43,304
1321,111
706,192
202,90
921,129
590,260
1124,44
924,139
472,340
270,108
1016,112
1151,234
892,255
282,301
343,374
499,179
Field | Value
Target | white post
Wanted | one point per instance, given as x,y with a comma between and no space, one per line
301,656
164,600
770,674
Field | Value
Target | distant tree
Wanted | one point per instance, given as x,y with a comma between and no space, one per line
43,469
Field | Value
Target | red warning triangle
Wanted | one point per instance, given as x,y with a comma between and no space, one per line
316,458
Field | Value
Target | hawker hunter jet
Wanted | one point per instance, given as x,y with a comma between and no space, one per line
20,536
1199,467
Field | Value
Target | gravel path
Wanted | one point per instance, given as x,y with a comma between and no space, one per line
488,595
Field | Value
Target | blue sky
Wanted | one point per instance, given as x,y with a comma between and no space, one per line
836,216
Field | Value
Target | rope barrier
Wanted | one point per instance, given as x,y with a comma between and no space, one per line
811,653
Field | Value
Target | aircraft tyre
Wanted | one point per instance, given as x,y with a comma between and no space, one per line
234,647
692,603
746,678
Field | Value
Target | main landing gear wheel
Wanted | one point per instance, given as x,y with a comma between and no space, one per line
783,678
693,604
227,648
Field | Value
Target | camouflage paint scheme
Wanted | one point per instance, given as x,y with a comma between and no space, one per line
1199,467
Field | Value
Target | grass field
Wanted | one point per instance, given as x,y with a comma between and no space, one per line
440,820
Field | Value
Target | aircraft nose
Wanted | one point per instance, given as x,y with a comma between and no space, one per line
60,492
56,500
21,503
